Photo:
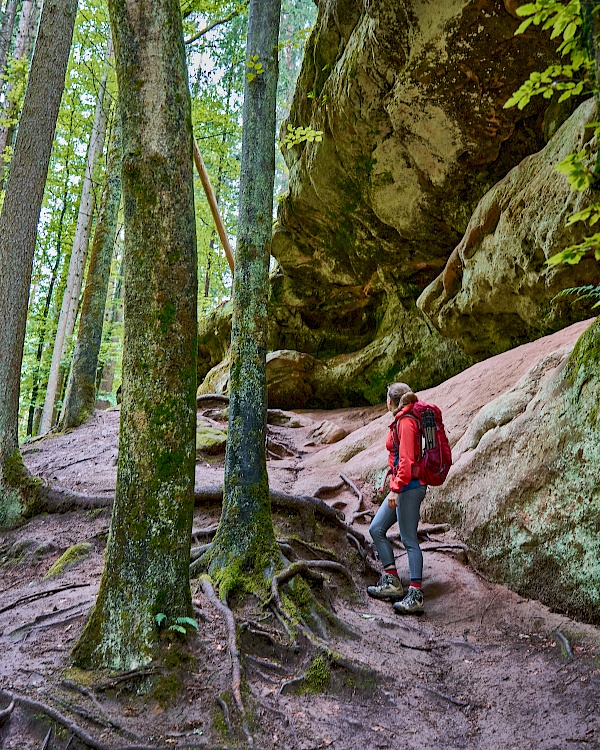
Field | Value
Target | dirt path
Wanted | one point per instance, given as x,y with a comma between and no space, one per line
482,669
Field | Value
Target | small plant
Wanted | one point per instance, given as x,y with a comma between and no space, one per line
180,624
294,136
256,68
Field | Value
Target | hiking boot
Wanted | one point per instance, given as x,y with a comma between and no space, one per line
389,588
412,604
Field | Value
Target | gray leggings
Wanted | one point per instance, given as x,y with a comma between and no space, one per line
407,515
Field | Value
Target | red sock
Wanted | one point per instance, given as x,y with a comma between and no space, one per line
416,584
392,572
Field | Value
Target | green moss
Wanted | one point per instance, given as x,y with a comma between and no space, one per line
317,677
70,557
585,357
210,441
22,495
167,689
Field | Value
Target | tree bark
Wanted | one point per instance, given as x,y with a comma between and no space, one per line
147,557
81,389
22,50
245,540
106,370
8,23
70,303
18,227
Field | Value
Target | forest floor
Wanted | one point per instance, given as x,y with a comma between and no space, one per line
484,668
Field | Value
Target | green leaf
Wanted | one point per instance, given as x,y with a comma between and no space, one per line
187,621
160,619
524,25
178,628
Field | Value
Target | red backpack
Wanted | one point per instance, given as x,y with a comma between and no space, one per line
435,458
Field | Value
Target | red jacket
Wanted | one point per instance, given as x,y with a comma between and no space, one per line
402,458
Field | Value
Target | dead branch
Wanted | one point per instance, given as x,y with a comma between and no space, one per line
265,663
42,594
68,724
236,677
328,488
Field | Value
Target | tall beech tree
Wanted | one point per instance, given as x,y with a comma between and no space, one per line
18,225
146,570
80,397
245,542
87,204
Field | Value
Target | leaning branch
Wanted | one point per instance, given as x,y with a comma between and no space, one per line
214,24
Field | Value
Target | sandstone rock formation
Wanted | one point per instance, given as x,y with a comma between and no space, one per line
409,96
493,294
524,490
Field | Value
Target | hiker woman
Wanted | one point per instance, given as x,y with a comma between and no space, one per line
403,504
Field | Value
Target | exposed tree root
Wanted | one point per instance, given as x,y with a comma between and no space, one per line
41,595
127,676
236,669
6,712
207,398
61,719
449,698
88,694
34,624
46,742
358,493
224,708
564,641
328,488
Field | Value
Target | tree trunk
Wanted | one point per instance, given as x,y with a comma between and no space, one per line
81,390
146,571
18,228
22,50
8,23
106,370
70,303
245,540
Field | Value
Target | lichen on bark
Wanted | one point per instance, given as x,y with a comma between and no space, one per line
147,558
245,547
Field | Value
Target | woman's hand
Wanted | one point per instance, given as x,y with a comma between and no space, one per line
392,499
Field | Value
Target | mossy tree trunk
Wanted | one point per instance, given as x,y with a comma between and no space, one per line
245,546
18,229
81,390
146,568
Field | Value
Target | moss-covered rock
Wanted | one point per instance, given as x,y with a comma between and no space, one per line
493,294
410,145
72,556
210,441
525,488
